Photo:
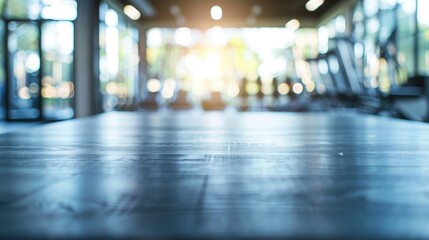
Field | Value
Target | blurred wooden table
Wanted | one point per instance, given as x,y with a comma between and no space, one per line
212,175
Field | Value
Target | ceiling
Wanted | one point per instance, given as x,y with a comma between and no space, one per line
236,13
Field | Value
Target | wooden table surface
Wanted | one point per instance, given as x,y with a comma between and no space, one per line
196,175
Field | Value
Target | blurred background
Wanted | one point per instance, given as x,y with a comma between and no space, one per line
63,59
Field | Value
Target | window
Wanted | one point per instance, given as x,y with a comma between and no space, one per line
370,7
358,21
119,58
372,21
39,57
57,75
41,9
387,19
246,62
24,70
423,23
406,35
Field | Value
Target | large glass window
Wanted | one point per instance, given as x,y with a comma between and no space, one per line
372,22
39,55
119,58
250,63
358,21
24,70
406,35
40,9
388,22
423,21
371,25
57,79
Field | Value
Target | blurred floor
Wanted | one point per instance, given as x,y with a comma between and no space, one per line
194,175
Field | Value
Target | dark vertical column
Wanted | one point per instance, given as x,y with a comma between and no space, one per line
86,59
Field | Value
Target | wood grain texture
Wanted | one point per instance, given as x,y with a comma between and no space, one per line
212,175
